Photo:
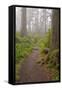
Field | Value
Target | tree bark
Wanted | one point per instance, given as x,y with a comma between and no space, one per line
23,22
55,29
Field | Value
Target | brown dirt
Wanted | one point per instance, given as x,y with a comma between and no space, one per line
31,71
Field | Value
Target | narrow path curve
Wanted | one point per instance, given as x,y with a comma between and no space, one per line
31,71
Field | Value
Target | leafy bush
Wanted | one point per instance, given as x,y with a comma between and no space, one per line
23,47
53,64
54,59
44,42
22,51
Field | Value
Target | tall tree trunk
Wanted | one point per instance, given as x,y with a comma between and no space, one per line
44,19
55,29
23,22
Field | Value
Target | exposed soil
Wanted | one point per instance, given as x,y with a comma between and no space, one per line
31,71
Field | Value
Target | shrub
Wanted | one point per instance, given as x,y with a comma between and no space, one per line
54,58
23,47
44,42
53,64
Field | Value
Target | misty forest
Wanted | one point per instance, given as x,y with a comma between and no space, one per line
37,44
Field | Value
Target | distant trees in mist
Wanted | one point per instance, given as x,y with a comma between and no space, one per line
34,20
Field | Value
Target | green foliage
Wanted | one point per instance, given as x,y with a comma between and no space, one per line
54,59
55,75
18,71
23,48
53,64
44,42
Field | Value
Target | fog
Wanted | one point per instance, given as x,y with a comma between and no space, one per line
36,18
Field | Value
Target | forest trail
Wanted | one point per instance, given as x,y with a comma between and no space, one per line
31,71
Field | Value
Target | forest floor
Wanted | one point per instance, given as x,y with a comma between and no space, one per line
31,71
